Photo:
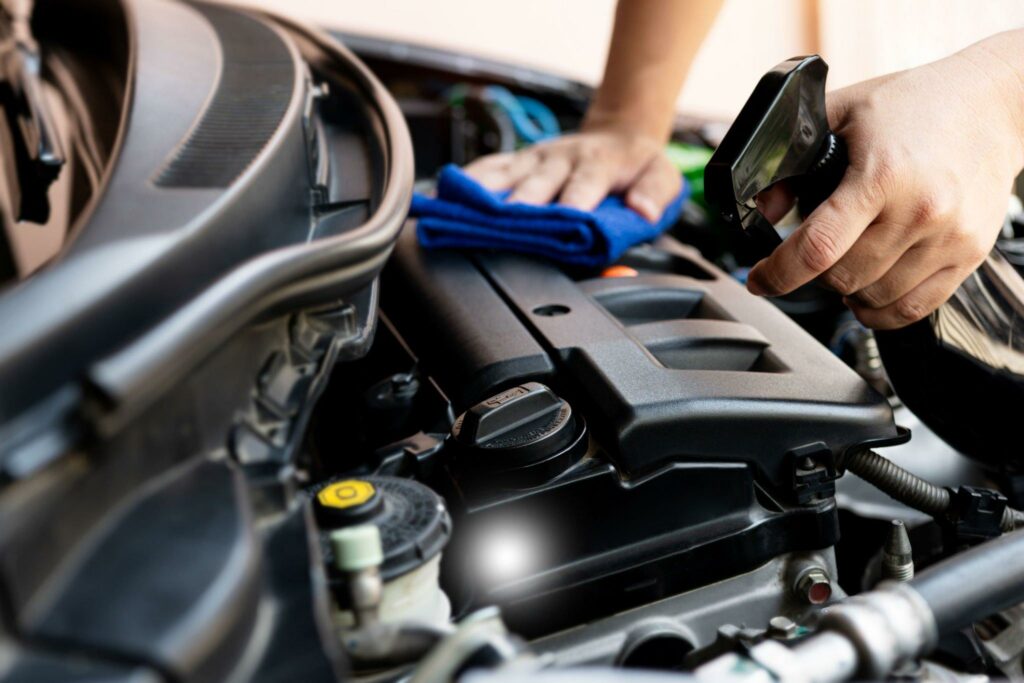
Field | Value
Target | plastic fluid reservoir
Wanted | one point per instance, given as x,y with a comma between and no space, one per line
414,528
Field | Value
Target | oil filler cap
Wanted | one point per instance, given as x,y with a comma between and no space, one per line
519,429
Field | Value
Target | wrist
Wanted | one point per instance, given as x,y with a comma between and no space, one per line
651,121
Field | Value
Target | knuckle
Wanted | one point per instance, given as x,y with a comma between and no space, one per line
860,198
908,310
818,249
552,171
591,154
956,238
840,280
657,181
586,174
975,251
928,208
951,238
871,297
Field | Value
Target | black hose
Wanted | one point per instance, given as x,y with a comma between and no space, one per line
911,489
975,583
900,484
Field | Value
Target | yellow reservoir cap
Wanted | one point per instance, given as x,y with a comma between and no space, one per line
349,493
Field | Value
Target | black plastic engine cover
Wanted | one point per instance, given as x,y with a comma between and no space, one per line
694,401
679,363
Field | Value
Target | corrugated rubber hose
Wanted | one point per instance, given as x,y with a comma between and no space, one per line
911,489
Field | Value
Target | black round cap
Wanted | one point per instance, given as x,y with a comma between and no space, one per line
518,428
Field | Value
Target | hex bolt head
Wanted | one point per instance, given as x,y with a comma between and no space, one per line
813,586
781,628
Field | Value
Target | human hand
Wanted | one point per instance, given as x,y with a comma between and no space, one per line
581,169
933,155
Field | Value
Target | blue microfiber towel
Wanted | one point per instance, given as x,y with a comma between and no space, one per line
466,215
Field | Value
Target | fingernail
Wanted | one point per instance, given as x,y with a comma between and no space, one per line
645,207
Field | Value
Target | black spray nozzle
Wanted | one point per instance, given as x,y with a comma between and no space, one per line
781,133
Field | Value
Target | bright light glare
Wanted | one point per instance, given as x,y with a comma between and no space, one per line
506,553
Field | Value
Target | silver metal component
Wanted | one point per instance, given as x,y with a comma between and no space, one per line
734,668
826,658
782,628
813,585
829,659
868,637
365,589
386,644
659,642
1003,638
751,598
482,629
897,556
888,627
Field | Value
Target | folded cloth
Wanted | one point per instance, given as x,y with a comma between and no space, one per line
466,215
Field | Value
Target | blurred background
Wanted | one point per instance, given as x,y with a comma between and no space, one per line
859,39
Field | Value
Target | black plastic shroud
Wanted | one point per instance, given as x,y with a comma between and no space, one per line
696,396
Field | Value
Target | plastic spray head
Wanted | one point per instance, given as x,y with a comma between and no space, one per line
781,133
897,556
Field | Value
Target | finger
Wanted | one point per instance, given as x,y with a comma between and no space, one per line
588,184
502,171
915,304
879,248
544,181
915,266
820,241
658,184
776,201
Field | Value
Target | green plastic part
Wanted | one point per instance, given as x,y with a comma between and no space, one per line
690,160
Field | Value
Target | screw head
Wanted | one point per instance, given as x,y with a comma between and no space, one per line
814,586
781,628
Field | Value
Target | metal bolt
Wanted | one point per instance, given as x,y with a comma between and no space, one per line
814,586
781,628
898,556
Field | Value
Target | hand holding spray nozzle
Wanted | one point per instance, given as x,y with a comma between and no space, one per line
962,369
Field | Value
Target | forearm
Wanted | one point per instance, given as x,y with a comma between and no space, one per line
999,61
653,45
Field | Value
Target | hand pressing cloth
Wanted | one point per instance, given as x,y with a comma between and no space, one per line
466,215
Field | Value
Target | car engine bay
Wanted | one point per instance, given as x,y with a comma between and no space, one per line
274,439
